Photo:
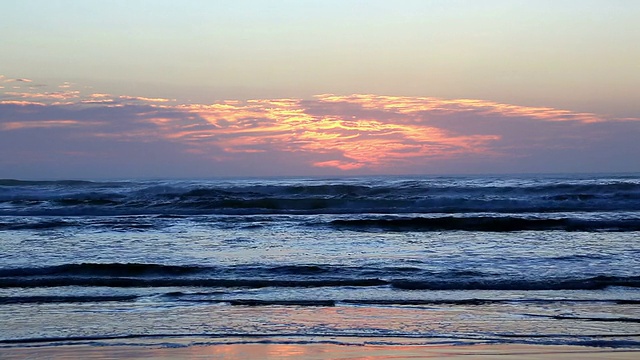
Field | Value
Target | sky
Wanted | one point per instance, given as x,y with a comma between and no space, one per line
198,88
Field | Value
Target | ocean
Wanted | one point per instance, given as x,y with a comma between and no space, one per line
547,259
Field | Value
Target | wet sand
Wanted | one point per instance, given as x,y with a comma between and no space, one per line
317,352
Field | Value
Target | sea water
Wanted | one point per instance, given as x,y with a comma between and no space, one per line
385,260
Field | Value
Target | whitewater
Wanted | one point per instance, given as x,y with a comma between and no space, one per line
536,259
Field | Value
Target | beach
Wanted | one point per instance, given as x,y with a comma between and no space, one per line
319,180
320,352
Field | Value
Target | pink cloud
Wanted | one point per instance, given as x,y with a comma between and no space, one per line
360,133
58,95
16,125
144,99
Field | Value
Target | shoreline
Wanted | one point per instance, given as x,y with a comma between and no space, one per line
317,351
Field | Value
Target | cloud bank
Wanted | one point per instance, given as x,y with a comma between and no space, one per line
69,131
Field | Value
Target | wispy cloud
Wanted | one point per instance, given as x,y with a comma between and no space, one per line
363,133
57,95
16,125
425,105
145,99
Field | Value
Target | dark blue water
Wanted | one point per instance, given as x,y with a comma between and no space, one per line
415,260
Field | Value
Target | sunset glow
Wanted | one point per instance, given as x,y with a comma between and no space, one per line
252,89
369,133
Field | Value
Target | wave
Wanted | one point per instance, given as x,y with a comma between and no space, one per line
346,196
495,224
205,298
221,297
180,282
359,222
341,338
591,283
105,269
150,270
15,182
6,300
46,224
293,276
589,318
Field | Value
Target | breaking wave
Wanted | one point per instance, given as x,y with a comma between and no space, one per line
495,224
68,198
157,275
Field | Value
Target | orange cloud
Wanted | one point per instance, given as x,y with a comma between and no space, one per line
342,165
140,98
414,105
7,126
58,95
285,125
356,132
20,102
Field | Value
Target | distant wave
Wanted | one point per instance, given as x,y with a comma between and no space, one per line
70,197
15,182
